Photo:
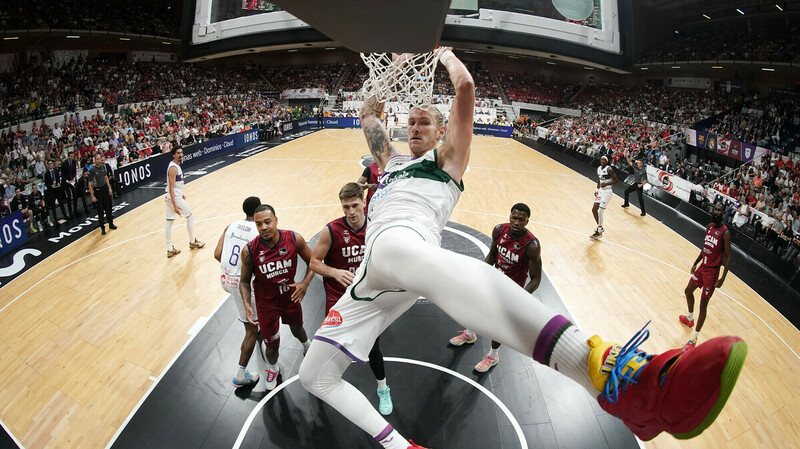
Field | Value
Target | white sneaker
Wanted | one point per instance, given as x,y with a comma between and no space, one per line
272,378
248,380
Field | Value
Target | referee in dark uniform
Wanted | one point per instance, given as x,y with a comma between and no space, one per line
640,179
100,190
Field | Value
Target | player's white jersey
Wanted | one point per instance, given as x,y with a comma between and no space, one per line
603,176
178,180
237,236
415,190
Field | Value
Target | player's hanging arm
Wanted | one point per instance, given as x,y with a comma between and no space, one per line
220,243
454,153
319,254
534,254
377,138
245,290
172,175
697,261
491,257
726,259
305,252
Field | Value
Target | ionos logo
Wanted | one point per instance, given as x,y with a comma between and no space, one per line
130,177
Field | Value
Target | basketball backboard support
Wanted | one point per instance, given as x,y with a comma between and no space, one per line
376,26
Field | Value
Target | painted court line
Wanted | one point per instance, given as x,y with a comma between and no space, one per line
204,321
517,428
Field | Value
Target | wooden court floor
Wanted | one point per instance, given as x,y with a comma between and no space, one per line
85,333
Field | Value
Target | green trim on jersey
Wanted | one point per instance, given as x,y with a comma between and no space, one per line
424,169
366,259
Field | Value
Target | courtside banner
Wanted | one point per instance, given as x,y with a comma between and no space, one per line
674,185
341,122
12,232
748,152
295,126
492,130
691,136
133,175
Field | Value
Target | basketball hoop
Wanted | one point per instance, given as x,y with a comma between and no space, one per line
408,77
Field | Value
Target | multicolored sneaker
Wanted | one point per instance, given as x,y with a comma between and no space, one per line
681,391
486,363
685,320
466,336
415,445
248,380
691,343
272,378
385,401
598,233
197,244
173,253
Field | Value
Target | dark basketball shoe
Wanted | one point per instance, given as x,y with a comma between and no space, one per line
680,391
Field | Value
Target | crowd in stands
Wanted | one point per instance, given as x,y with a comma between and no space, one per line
136,131
45,90
760,44
139,17
765,203
304,77
617,137
657,104
762,121
528,88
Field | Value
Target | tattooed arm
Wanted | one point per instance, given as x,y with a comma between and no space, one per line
377,138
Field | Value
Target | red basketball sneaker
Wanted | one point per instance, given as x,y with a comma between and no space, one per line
415,446
685,320
680,391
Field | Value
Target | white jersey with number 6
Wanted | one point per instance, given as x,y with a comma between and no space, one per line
237,236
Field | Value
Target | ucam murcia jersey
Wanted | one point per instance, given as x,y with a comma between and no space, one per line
178,189
415,190
346,253
512,259
273,267
603,176
237,236
713,245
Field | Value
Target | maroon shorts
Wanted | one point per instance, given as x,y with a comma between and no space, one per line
706,278
331,298
270,314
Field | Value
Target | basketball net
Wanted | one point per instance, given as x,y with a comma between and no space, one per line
408,77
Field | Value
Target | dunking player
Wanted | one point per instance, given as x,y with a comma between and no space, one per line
680,391
716,251
228,253
369,180
272,258
606,177
517,254
177,205
338,253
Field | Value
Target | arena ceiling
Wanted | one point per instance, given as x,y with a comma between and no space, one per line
692,10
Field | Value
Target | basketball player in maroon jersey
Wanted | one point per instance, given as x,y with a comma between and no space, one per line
517,254
272,259
716,251
369,181
339,251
